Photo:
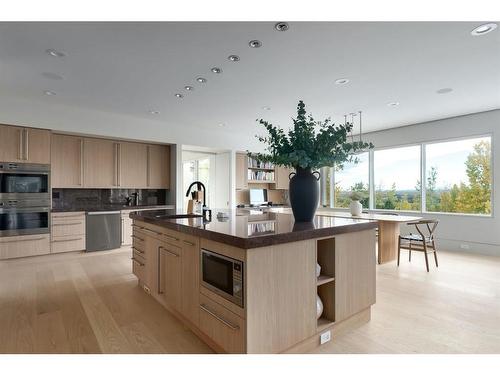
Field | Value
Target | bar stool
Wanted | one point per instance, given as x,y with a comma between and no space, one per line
420,242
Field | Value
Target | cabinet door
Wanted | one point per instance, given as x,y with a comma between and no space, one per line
11,143
24,246
158,166
66,161
151,250
133,163
191,278
241,171
37,146
281,176
170,274
100,163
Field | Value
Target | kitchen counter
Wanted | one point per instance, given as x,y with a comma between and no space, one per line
248,228
109,207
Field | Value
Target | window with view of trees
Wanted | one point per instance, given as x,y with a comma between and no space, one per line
397,178
353,177
458,175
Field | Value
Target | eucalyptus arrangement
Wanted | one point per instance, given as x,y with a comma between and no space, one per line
309,145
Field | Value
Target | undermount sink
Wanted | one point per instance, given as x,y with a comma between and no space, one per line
180,216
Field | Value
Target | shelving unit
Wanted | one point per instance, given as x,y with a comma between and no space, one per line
325,283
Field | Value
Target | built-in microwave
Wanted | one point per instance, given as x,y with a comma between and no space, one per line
24,181
222,275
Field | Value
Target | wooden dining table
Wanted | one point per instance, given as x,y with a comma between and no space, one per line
388,230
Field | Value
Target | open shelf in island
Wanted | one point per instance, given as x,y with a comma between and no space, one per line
325,283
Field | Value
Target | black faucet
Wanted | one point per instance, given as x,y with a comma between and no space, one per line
205,210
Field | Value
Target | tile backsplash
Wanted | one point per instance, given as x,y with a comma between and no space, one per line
67,198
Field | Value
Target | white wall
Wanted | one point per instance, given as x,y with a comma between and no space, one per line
481,234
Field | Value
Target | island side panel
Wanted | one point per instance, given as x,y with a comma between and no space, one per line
355,280
280,296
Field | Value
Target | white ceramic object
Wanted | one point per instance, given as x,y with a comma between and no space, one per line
356,208
319,307
318,270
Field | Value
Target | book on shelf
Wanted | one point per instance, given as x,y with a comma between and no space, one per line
260,175
252,163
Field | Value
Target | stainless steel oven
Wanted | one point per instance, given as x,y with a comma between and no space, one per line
16,221
223,276
24,182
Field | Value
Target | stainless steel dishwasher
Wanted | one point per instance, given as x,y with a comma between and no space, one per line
103,230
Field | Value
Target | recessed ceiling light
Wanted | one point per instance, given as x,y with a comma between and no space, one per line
55,53
255,43
233,58
342,81
53,76
189,88
201,80
445,90
153,112
222,125
50,93
266,108
180,96
484,29
216,70
282,26
393,104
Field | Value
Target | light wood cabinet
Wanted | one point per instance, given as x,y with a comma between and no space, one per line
100,166
241,171
281,177
67,232
24,145
11,143
126,228
133,165
24,246
169,274
158,176
190,277
67,161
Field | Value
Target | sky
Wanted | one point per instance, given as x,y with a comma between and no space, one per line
402,165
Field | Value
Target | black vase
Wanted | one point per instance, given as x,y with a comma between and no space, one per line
304,194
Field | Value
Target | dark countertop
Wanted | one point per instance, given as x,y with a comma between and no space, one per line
109,207
246,228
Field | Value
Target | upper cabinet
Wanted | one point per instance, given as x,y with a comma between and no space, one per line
241,171
100,163
133,165
281,177
24,145
67,161
158,167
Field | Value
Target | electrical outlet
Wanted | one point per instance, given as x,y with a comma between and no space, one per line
325,337
464,246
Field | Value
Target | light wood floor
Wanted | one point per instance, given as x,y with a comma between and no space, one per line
90,303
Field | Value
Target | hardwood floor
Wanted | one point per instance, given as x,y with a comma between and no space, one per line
90,303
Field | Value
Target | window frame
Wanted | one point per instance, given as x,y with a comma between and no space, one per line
423,177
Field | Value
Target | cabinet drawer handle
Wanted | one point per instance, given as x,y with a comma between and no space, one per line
63,224
139,263
188,243
171,237
152,231
66,216
68,240
169,252
137,238
220,319
138,250
23,240
137,226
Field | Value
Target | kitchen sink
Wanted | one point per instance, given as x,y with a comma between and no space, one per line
180,216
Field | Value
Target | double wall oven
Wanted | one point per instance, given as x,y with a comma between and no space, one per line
24,199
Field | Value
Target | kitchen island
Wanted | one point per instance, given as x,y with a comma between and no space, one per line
247,283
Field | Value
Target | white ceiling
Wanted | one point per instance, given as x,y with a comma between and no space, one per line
131,68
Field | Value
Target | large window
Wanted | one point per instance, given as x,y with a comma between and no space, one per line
458,176
397,178
353,177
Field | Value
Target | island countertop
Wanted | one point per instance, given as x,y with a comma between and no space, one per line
247,229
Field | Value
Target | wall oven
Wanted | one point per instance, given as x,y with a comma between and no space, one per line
24,181
24,199
222,275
